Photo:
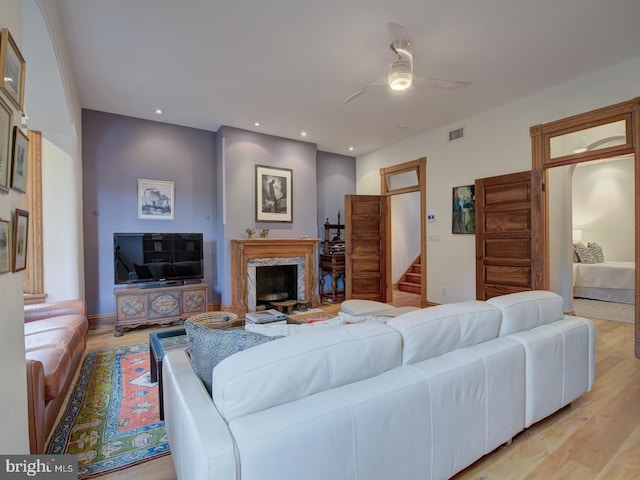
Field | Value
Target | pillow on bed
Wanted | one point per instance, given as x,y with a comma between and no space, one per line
597,251
586,254
576,258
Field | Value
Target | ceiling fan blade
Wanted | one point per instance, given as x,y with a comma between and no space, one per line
397,33
400,43
381,82
354,95
441,82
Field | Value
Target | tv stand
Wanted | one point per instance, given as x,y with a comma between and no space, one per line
157,305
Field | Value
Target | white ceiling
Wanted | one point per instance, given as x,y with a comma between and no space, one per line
289,63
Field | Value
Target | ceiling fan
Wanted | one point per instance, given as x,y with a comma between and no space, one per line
400,75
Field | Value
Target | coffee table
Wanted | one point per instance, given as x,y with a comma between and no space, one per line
159,344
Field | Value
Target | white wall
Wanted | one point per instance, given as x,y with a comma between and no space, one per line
14,434
64,271
496,142
603,199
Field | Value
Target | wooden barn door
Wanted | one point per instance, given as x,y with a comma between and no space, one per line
509,241
366,238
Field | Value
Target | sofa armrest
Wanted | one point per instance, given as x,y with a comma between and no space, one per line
35,405
41,311
201,443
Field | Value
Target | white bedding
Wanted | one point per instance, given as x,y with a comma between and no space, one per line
610,281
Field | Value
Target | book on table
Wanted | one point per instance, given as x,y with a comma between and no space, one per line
264,316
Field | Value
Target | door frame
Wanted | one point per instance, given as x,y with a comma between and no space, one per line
419,166
541,135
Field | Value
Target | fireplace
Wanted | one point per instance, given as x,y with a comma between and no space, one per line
269,276
250,256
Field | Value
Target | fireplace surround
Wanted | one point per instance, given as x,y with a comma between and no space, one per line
247,254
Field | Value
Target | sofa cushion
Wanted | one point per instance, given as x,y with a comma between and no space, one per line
56,363
361,307
526,310
77,323
209,346
432,331
300,365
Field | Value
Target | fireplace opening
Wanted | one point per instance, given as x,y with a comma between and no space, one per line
276,283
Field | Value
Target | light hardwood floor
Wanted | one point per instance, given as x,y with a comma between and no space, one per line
597,437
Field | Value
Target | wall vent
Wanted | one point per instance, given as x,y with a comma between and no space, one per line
456,134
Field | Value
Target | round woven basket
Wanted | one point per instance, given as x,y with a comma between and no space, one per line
215,319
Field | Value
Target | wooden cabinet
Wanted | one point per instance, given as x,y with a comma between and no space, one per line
157,306
332,264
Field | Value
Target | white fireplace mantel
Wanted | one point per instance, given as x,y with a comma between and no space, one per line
247,253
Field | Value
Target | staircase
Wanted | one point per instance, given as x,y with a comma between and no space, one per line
410,280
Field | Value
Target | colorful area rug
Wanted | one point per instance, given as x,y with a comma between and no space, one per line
112,421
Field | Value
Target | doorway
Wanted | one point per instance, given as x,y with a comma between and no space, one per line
600,134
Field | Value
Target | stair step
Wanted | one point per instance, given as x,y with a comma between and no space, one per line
416,268
409,287
412,278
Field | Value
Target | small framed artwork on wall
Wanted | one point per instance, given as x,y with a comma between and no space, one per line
6,122
155,199
13,67
274,189
464,209
21,234
5,246
20,160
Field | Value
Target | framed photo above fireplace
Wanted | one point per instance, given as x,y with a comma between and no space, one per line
274,194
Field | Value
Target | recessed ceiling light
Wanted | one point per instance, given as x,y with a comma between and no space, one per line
351,149
158,111
256,124
402,125
303,133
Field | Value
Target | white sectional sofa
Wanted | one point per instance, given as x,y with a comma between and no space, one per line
421,397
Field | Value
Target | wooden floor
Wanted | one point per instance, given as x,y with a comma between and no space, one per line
597,437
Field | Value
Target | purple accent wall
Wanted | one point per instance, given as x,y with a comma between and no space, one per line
335,178
116,152
242,151
214,175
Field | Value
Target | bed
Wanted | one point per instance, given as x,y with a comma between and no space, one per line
608,281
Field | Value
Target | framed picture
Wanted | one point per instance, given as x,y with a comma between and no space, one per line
5,246
20,235
13,66
6,122
20,160
274,188
464,209
155,199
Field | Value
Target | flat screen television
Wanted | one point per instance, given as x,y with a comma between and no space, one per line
157,259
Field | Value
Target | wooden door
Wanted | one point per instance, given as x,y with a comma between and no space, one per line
366,239
509,243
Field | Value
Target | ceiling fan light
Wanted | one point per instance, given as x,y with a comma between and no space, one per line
400,75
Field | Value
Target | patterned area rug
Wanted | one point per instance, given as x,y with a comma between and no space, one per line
112,421
618,312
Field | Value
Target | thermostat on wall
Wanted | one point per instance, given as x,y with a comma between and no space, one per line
431,218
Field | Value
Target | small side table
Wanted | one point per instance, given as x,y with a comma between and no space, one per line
156,354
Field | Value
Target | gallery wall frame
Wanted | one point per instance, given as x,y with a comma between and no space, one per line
156,199
20,236
464,209
13,67
5,246
6,122
19,160
274,194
